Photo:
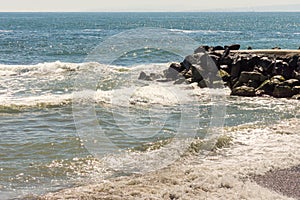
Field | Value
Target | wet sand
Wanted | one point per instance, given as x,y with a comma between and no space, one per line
285,181
225,174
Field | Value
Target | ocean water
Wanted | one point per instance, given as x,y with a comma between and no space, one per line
47,124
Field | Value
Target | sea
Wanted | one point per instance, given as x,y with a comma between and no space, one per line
72,104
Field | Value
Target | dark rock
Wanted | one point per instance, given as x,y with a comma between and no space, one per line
234,47
249,48
226,61
194,59
202,84
253,84
178,67
246,73
236,68
235,83
291,82
293,62
155,76
282,68
218,48
187,74
216,60
251,62
245,77
144,76
266,64
267,87
202,49
243,63
226,52
224,75
282,91
196,75
296,75
171,74
296,89
219,55
276,48
243,91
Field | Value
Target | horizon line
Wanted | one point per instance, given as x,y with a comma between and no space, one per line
152,11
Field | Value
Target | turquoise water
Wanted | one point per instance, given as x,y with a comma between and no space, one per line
42,55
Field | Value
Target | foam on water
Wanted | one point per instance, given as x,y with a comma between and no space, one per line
205,32
19,80
224,174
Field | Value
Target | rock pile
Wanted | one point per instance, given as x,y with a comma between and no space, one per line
246,73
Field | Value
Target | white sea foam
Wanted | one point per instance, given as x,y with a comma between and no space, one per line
6,31
40,68
36,101
205,32
223,174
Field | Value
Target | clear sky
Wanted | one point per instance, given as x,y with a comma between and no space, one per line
149,5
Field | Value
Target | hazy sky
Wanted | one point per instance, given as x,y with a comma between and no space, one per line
149,5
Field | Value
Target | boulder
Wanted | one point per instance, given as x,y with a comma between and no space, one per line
278,77
202,49
216,60
218,48
187,74
296,75
276,48
266,64
282,68
296,90
202,84
144,76
226,60
224,75
282,91
236,68
243,91
234,47
194,59
245,77
291,82
177,66
155,76
251,62
293,62
246,64
254,84
196,75
267,87
171,74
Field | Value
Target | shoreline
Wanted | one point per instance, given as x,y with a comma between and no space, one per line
225,174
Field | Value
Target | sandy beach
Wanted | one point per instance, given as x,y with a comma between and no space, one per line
225,174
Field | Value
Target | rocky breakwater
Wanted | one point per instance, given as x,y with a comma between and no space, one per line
273,72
